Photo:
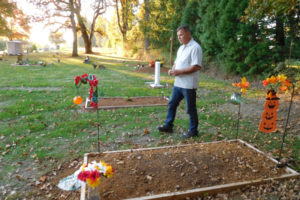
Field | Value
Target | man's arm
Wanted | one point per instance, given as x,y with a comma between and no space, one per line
177,72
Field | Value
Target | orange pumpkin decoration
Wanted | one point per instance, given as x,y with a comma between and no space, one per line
77,100
272,104
269,115
267,126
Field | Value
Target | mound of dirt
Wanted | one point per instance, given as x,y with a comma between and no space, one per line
164,170
151,69
129,102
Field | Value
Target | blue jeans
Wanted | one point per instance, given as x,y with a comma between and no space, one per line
189,96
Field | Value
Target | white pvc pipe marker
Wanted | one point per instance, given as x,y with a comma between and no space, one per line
157,73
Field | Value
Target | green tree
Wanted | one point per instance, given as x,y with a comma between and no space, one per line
190,15
283,19
164,18
14,24
125,15
56,38
99,8
206,28
60,15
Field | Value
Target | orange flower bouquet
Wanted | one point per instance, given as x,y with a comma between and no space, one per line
236,98
243,85
275,82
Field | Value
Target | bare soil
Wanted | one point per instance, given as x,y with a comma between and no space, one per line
151,69
119,102
165,170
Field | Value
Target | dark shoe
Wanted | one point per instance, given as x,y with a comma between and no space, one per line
164,128
188,135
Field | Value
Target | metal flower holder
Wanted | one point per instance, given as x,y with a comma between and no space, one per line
236,98
93,193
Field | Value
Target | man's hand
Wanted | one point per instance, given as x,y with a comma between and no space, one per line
177,72
173,72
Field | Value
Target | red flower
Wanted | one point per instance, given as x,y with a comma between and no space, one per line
93,104
77,79
94,82
94,175
236,84
91,92
84,76
83,175
265,83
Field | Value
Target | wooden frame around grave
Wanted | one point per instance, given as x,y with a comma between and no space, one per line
198,191
86,107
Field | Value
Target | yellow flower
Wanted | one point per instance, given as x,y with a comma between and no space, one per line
243,85
244,80
281,77
84,166
92,182
109,171
273,79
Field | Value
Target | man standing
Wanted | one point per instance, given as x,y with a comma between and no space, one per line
186,71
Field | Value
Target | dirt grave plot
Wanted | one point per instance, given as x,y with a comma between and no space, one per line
32,88
128,102
179,171
151,69
26,65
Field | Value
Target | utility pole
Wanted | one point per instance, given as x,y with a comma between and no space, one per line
171,48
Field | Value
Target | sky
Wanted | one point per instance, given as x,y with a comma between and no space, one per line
40,33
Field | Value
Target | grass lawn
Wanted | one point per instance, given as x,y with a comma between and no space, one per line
42,128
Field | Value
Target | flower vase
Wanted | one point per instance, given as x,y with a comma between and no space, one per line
236,98
93,193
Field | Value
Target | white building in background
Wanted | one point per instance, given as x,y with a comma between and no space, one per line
14,47
18,47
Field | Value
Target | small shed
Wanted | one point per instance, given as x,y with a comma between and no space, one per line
15,47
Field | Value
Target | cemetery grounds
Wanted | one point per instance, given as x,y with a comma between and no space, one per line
43,132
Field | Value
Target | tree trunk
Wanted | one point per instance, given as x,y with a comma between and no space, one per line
146,40
75,46
86,39
279,36
84,32
279,31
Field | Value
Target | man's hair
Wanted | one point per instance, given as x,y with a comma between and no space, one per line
184,27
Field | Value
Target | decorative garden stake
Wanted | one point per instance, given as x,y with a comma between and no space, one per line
236,98
269,116
286,123
93,96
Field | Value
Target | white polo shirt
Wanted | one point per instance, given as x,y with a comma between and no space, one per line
188,55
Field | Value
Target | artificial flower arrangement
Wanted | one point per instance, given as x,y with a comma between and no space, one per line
275,82
93,82
236,98
243,85
88,173
92,172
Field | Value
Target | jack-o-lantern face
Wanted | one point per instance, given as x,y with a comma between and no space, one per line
272,104
269,115
267,126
